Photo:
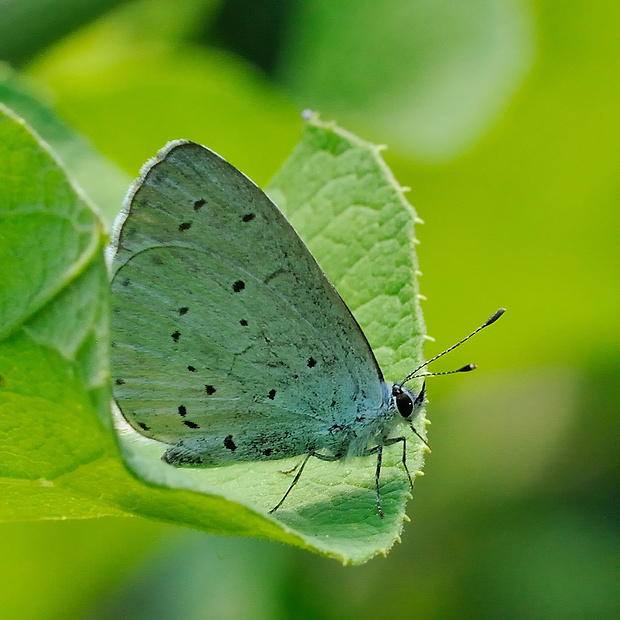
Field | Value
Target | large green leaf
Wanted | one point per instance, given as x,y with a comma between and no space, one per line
60,459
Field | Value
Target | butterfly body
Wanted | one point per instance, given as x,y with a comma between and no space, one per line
229,342
327,438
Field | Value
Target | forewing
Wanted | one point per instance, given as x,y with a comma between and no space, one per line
226,333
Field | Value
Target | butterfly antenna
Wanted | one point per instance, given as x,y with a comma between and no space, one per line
466,368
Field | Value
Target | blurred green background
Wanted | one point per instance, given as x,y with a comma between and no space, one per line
502,116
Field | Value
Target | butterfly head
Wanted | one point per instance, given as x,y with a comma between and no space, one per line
408,404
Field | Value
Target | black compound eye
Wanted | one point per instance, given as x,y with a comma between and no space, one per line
404,404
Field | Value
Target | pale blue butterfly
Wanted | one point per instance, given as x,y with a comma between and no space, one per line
229,342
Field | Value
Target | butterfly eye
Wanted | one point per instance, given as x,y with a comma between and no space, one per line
404,404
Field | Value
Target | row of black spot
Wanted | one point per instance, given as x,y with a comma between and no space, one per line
238,286
198,204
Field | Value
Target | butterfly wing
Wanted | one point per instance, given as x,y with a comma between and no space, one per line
228,339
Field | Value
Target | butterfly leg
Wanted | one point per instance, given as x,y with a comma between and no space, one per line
321,457
378,450
391,442
295,479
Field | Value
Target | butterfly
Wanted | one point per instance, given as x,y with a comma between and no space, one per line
229,343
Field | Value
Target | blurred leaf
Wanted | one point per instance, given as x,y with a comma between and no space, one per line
142,21
131,91
529,218
251,29
428,77
27,27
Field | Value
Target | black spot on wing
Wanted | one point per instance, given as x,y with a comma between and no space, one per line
190,424
243,322
209,389
199,204
311,362
182,410
248,217
229,444
272,394
184,226
191,368
120,381
238,286
125,282
183,310
176,336
143,426
267,451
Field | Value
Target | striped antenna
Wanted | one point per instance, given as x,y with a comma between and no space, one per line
467,368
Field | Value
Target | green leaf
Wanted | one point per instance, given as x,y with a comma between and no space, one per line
59,458
344,201
48,232
53,330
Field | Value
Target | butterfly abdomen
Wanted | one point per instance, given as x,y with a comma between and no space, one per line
219,450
